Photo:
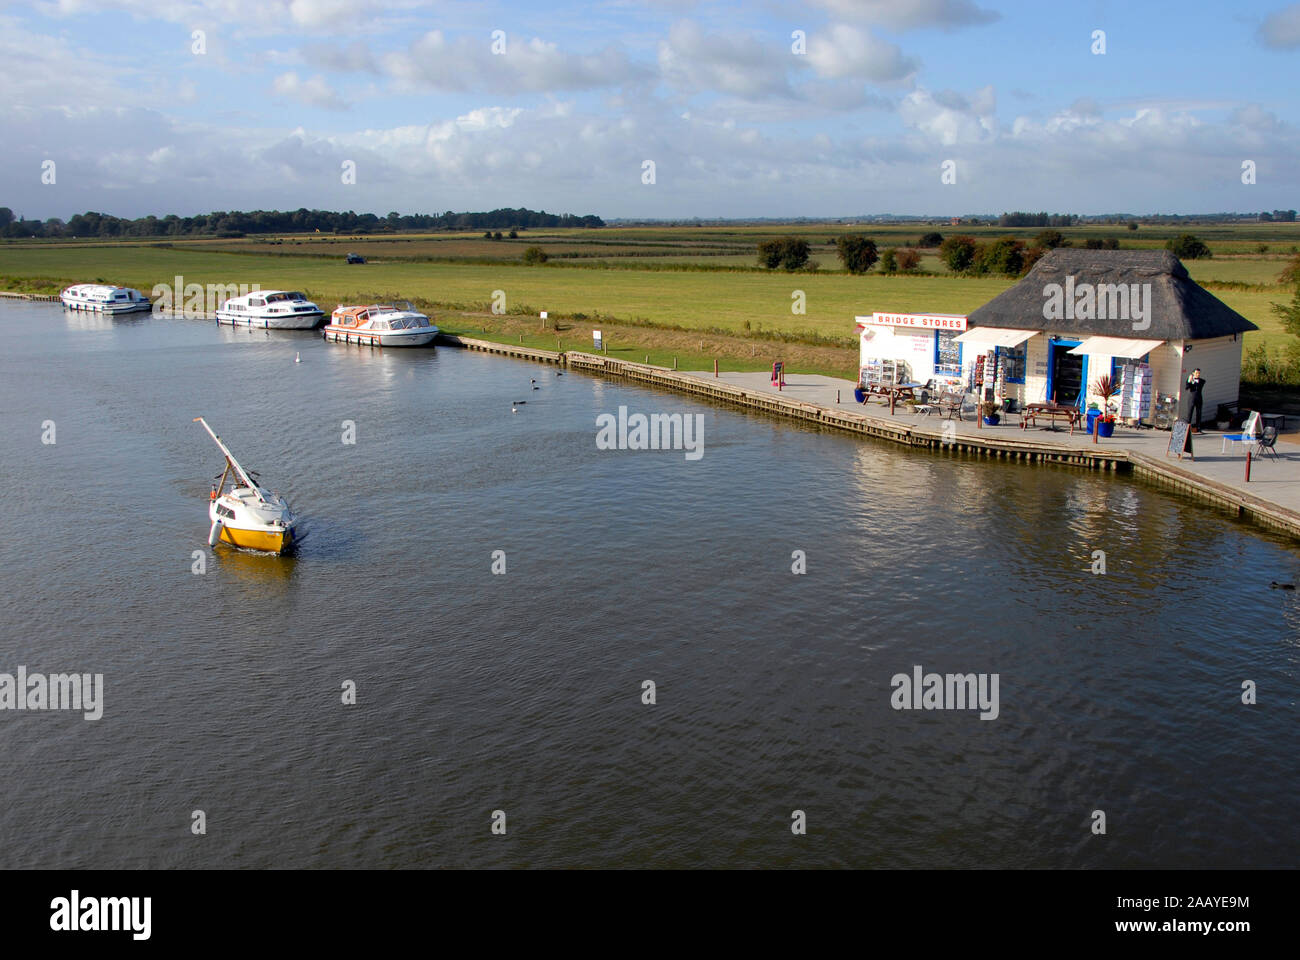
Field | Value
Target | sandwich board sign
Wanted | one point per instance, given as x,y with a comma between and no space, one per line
597,341
1180,440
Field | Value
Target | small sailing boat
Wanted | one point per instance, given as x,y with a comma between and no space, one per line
248,515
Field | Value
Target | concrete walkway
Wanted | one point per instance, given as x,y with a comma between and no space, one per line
1277,481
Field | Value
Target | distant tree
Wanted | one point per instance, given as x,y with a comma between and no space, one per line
1132,225
795,253
769,253
931,239
514,234
1292,273
1110,243
1003,255
1092,243
1188,247
909,260
888,261
858,253
487,234
535,255
958,253
1050,239
788,252
497,235
6,216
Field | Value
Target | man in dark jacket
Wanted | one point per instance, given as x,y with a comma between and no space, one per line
1195,385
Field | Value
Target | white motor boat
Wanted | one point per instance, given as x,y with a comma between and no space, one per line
381,325
104,298
248,515
272,309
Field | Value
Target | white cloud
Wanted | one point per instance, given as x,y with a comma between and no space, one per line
1281,29
435,63
845,51
949,117
911,14
312,92
738,64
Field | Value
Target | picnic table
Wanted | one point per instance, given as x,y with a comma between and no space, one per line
893,392
1051,411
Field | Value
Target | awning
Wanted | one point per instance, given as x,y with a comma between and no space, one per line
1115,347
993,337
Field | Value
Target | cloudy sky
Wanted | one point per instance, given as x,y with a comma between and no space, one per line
826,108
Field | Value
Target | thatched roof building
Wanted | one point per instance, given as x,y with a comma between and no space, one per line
1180,308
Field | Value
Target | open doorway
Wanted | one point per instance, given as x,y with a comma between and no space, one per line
1066,374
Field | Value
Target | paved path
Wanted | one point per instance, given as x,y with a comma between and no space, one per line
1276,481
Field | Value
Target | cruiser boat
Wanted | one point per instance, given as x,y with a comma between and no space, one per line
381,325
104,298
248,515
272,309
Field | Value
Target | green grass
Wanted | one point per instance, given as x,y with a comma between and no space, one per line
688,282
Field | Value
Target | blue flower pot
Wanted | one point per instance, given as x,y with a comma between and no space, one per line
1105,429
992,420
859,395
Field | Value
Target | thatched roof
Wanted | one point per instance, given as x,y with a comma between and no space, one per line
1180,309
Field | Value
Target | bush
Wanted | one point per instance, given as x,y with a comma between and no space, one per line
1188,247
1110,243
908,260
497,235
958,253
888,261
1092,243
1051,239
1132,225
535,255
931,239
1030,256
857,252
487,234
1292,273
514,234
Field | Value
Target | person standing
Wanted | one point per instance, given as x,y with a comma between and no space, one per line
1196,386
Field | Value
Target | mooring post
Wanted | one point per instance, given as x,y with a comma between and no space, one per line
1096,428
715,367
674,363
1248,466
837,396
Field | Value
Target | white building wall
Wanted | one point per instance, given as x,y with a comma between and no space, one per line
915,347
1220,363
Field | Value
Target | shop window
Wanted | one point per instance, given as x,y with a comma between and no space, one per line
947,353
1013,363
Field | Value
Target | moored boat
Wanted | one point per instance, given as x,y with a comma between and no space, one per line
104,298
248,515
381,325
271,309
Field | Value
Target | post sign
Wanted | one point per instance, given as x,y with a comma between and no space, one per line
596,341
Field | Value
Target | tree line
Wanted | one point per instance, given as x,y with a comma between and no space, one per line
1007,255
237,223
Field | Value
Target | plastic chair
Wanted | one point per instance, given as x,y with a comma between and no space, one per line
1248,433
1267,443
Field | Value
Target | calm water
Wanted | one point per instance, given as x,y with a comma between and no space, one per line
522,692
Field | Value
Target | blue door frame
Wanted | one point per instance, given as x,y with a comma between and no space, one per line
1052,343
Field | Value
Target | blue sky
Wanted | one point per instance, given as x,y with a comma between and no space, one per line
736,121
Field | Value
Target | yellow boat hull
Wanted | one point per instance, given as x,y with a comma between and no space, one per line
272,542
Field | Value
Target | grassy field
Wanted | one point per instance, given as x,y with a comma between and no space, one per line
694,293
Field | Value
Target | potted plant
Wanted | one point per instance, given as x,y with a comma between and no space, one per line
1107,388
989,411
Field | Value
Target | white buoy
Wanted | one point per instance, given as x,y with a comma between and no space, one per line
215,533
514,409
297,358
